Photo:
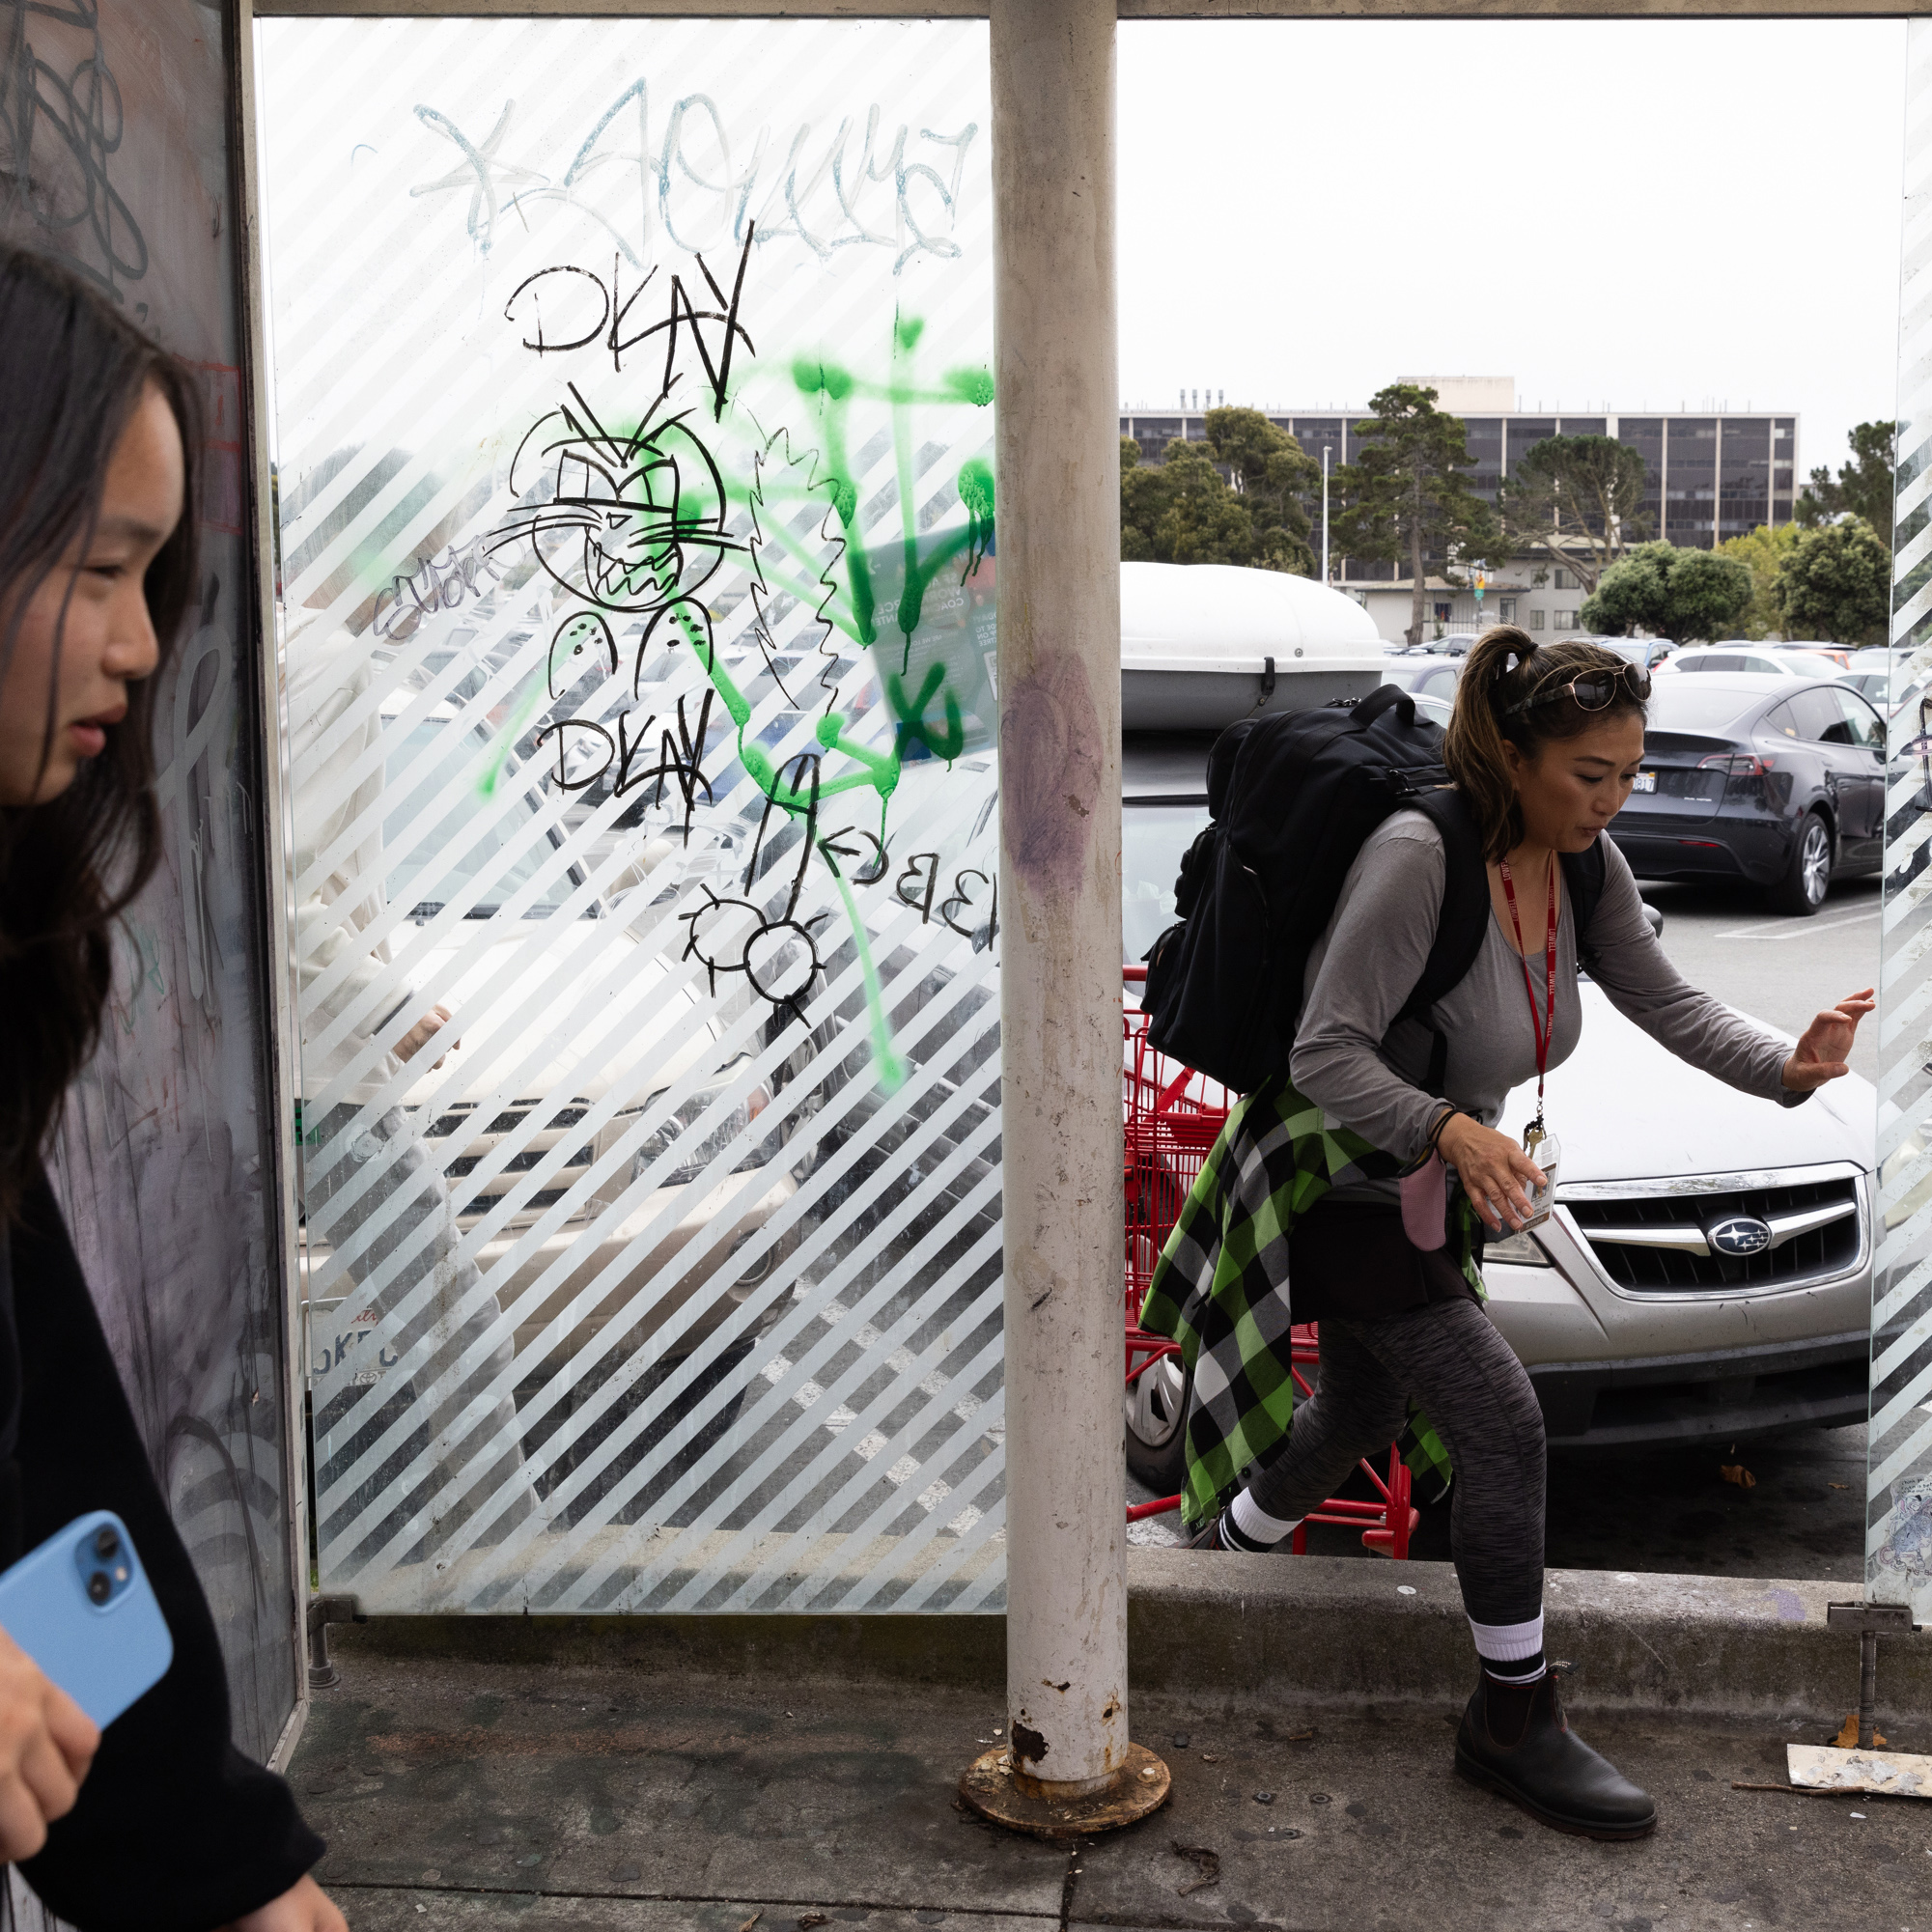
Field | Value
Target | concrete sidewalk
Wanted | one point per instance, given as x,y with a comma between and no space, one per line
730,1772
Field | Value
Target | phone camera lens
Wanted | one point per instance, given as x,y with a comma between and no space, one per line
99,1587
105,1543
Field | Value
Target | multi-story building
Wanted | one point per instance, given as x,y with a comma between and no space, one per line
1710,476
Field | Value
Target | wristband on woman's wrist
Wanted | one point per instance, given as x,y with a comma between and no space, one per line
1443,1119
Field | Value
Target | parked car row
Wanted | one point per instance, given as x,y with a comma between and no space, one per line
1766,660
1775,778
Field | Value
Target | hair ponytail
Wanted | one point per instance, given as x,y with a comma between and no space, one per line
1504,666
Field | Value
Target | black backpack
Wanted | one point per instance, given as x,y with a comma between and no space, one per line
1293,796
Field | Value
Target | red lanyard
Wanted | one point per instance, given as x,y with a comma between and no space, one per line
1544,1029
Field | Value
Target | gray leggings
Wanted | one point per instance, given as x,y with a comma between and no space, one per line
1449,1356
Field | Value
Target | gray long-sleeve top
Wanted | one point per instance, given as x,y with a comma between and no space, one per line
1364,1072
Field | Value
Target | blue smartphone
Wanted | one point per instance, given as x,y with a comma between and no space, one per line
81,1607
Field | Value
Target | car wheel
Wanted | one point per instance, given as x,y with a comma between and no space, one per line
1808,872
1157,1418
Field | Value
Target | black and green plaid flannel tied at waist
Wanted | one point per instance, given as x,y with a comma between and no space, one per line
1221,1287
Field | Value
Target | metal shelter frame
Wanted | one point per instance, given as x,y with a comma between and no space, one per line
1054,143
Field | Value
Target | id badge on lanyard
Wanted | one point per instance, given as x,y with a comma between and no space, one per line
1538,1142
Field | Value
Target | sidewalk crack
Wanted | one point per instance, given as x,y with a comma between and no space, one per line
1069,1885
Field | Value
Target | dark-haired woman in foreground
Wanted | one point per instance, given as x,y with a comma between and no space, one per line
1543,746
159,1824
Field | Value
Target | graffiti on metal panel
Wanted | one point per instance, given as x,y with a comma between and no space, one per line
846,190
636,490
58,134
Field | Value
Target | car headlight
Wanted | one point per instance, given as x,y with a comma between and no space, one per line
1520,1250
686,1143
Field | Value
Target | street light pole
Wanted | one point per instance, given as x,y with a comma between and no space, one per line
1325,449
1069,1766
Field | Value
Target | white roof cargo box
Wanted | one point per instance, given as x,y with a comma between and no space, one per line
1202,645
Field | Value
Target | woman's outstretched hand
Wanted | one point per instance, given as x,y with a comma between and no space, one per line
1822,1052
1495,1171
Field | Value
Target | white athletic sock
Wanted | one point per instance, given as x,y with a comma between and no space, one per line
1507,1643
1255,1526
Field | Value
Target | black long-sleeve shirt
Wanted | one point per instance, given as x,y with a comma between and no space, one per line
175,1830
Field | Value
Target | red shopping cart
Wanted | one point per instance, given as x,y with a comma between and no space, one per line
1172,1117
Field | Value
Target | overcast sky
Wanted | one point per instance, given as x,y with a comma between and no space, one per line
1631,215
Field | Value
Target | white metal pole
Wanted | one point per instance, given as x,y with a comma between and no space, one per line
1058,496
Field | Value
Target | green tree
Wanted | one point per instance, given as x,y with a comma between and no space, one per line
1690,594
1763,553
1232,498
1406,500
1836,584
1576,501
1631,595
1181,510
1864,487
1266,469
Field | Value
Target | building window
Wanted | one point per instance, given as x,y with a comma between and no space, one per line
1441,613
1564,581
1506,610
1536,620
1566,620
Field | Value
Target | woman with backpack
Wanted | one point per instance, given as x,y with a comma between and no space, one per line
1543,749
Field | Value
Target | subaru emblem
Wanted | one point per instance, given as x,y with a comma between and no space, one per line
1739,1234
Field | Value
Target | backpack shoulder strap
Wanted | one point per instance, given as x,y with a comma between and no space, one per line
1463,921
1584,876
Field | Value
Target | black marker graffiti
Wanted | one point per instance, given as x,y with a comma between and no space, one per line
680,754
582,630
56,138
621,526
613,313
779,955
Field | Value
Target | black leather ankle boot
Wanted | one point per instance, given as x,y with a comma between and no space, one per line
1208,1536
1547,1768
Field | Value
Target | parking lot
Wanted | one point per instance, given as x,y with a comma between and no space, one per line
1673,1510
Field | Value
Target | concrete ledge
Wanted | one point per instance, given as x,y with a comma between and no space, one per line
1255,1629
1263,1630
966,1651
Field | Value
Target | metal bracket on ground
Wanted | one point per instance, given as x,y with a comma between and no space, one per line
1863,1767
323,1611
1871,1621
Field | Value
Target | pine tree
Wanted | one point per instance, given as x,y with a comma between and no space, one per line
1405,499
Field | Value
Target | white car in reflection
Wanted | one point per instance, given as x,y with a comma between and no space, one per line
1707,1273
546,1168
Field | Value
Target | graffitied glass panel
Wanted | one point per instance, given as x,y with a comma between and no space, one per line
633,412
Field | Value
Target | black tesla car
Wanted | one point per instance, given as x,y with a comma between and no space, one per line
1758,778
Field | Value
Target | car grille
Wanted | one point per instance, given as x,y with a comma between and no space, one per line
1651,1243
460,1128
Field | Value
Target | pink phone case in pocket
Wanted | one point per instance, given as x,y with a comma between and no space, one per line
1426,1205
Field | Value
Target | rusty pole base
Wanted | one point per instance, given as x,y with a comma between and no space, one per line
1140,1786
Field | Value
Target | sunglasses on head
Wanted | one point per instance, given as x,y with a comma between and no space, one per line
1592,691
